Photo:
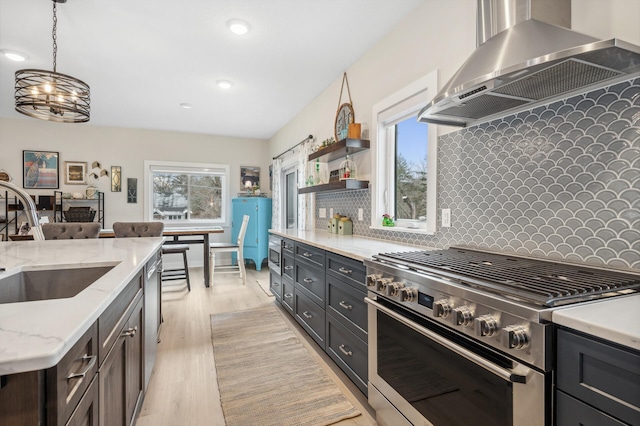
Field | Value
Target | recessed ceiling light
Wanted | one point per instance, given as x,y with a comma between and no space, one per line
186,105
14,56
224,84
238,26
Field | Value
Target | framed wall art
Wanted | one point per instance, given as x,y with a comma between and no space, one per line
75,173
249,177
116,178
132,190
40,169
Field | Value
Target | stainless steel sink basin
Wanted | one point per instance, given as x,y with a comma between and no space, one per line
27,286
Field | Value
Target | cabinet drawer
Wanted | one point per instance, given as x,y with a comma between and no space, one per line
347,303
67,381
310,255
86,413
348,270
602,375
348,351
311,317
287,266
571,412
287,247
313,281
115,316
288,301
275,284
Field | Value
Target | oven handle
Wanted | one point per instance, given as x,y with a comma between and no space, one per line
508,375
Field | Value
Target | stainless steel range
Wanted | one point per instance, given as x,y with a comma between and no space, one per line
463,336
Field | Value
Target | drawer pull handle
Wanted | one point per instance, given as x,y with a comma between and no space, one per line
345,270
344,351
288,295
345,305
307,280
307,315
286,247
130,332
288,268
92,362
307,254
275,285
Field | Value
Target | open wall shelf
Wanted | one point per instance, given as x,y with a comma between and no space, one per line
343,185
340,149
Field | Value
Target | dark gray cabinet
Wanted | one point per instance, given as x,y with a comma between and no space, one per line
121,371
325,294
598,382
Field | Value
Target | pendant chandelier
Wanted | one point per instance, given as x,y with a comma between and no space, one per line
49,95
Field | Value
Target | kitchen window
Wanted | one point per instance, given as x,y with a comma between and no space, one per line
405,159
186,193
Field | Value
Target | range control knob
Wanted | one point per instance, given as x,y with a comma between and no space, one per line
515,337
486,326
462,315
441,308
408,294
393,289
372,278
381,284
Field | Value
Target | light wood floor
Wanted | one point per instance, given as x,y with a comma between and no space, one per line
183,389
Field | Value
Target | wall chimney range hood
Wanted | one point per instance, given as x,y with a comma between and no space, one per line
521,62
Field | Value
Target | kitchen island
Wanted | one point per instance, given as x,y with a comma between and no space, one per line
79,324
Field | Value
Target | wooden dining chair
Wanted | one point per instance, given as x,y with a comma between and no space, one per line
215,248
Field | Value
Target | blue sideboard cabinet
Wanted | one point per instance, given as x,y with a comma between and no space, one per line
256,240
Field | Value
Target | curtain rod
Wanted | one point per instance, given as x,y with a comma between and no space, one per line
310,137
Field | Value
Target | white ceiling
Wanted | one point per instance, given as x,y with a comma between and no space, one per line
142,58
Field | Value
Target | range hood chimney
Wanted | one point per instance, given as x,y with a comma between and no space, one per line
521,62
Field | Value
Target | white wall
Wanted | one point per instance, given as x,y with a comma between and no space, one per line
127,148
438,35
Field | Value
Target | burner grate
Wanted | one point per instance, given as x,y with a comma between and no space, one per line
541,282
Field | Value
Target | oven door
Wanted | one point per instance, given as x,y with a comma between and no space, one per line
431,375
275,251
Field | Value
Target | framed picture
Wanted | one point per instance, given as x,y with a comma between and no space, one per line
249,177
40,169
75,173
116,178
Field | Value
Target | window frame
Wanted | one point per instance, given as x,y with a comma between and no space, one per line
395,108
223,170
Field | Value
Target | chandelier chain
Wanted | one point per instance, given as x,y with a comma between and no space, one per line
55,44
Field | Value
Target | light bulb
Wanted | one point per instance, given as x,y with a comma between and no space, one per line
238,26
224,84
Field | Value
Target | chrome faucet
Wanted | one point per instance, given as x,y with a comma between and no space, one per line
30,209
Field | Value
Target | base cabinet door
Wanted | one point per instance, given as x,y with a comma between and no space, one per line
87,413
121,374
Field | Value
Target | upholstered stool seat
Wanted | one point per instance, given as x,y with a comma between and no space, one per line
177,273
70,230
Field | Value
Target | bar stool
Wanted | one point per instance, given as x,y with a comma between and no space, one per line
176,273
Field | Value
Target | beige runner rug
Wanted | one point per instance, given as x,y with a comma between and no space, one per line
264,285
267,377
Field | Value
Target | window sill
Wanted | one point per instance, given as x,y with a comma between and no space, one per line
403,229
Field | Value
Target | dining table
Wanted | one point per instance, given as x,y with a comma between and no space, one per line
194,235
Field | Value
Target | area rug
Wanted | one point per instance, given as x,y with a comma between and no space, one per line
264,285
267,377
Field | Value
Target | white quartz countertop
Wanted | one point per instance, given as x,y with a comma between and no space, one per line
353,246
36,335
616,320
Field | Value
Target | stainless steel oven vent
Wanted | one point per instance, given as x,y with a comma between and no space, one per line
526,62
561,78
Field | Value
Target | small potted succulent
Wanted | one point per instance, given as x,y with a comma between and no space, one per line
387,220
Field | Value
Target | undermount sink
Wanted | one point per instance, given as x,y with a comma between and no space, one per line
27,286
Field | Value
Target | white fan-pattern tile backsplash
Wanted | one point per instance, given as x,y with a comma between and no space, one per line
560,181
